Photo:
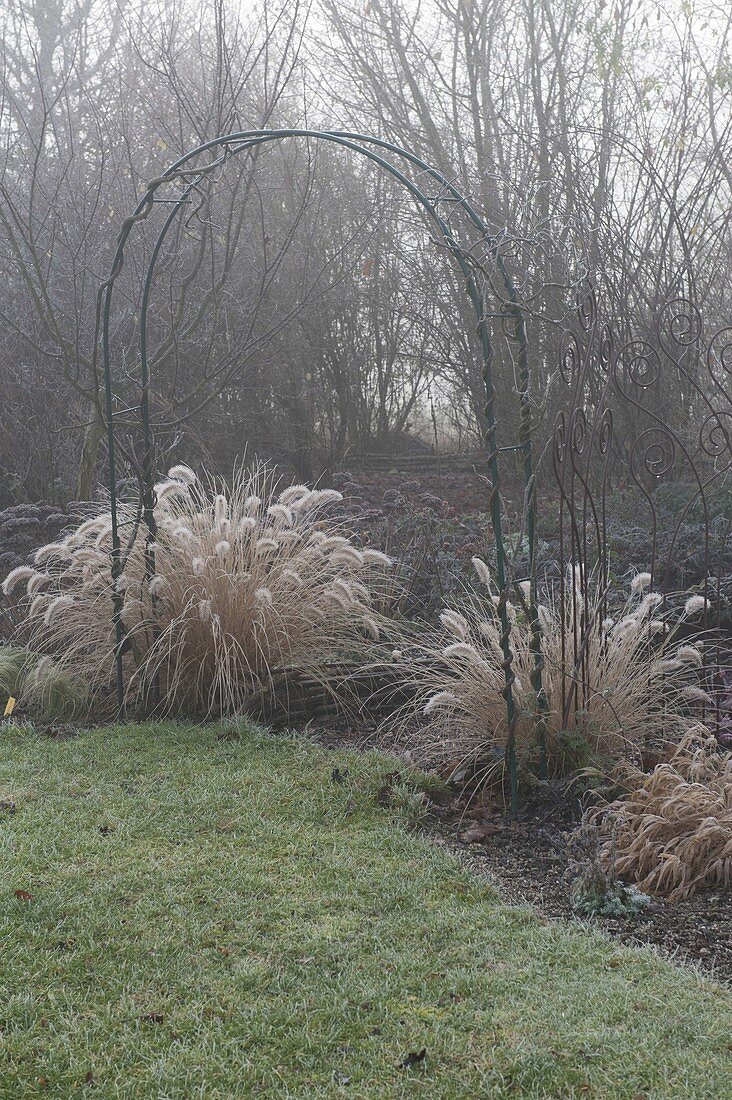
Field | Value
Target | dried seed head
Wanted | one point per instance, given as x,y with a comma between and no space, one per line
347,556
649,603
221,509
694,605
281,514
372,626
439,701
293,493
38,603
697,695
37,582
266,546
462,650
182,533
157,585
687,653
167,490
53,550
455,623
16,577
323,497
375,557
182,473
55,606
263,597
483,572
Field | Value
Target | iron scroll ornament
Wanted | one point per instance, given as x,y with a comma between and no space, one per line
188,175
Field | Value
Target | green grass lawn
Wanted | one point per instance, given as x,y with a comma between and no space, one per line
220,918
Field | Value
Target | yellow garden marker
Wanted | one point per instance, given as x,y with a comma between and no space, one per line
9,707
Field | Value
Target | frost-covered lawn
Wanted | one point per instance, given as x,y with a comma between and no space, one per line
223,918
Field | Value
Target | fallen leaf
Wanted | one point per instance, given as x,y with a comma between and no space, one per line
476,833
23,895
89,1079
385,792
414,1058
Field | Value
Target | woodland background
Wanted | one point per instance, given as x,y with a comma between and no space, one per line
303,312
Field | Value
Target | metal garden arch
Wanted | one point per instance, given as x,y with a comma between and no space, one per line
188,175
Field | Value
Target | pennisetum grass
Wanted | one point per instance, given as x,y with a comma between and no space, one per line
248,585
637,687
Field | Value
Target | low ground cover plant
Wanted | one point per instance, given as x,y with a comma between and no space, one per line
243,584
638,688
595,888
672,832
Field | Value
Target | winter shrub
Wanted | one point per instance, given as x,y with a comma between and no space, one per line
241,587
638,688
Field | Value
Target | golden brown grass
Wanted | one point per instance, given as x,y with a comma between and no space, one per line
248,584
635,687
672,833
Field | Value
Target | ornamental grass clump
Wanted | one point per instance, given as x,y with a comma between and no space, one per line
633,687
242,587
672,833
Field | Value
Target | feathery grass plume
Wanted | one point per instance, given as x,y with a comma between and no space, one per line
636,691
248,588
182,473
694,605
672,832
16,578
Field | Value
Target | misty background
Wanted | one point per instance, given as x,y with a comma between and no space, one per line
302,311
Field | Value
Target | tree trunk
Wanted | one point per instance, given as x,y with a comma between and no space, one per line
86,474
